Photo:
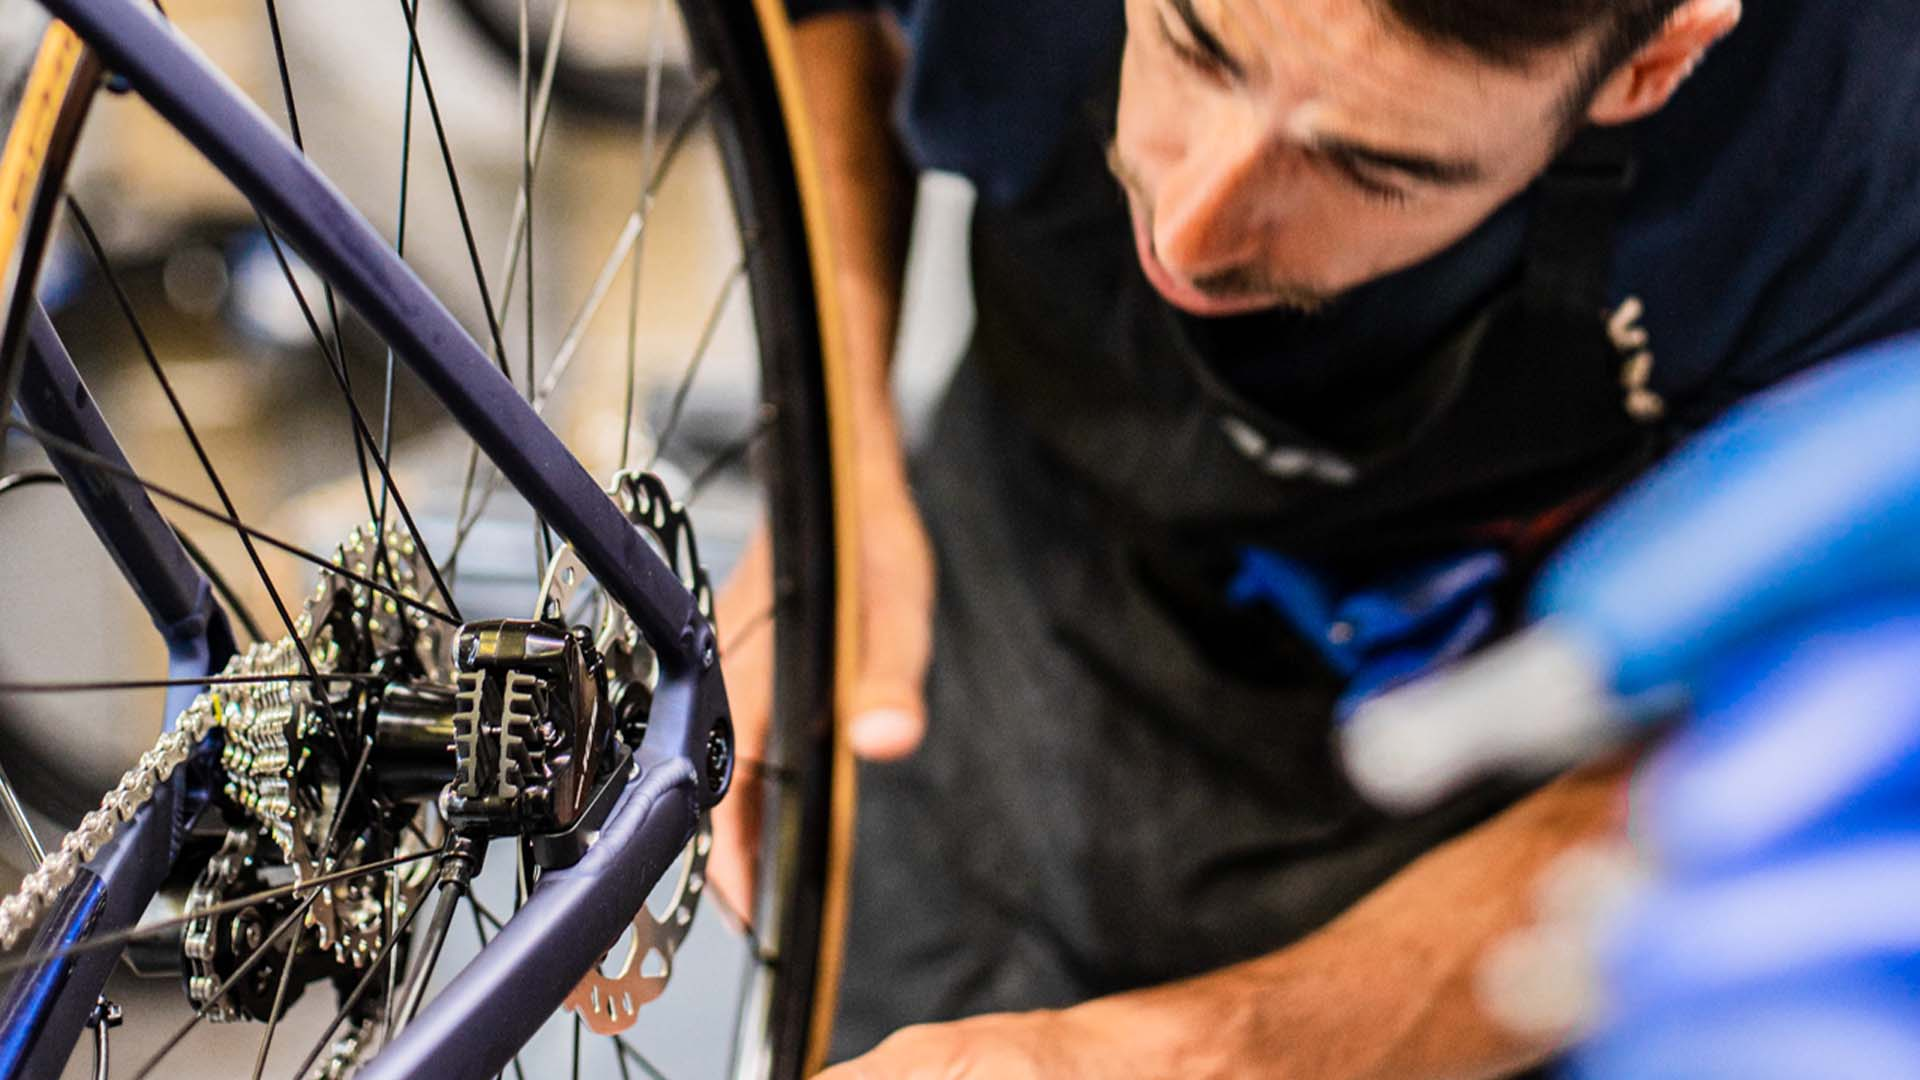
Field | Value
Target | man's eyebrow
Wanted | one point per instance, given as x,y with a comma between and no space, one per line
1205,40
1447,172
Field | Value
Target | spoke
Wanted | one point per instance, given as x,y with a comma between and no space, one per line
542,109
486,916
200,451
286,80
17,814
336,359
465,524
453,183
400,249
542,536
526,189
279,998
748,630
656,61
731,455
742,926
134,933
293,919
740,1003
359,990
235,605
364,440
393,962
365,443
335,354
522,877
414,828
39,477
626,1050
596,295
414,991
339,353
707,332
577,329
168,684
279,1003
703,94
73,449
346,796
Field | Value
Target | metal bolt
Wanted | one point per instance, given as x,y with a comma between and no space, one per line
719,756
249,929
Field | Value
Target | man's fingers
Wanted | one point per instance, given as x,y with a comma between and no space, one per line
888,704
886,734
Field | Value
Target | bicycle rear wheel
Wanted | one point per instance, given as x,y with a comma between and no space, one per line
735,127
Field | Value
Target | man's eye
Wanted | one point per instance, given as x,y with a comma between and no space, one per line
1374,188
1189,54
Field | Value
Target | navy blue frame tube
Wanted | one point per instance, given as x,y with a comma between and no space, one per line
47,1006
573,916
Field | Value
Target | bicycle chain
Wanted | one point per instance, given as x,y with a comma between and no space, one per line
255,717
340,1060
37,892
200,943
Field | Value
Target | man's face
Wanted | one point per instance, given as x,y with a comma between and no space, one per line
1280,152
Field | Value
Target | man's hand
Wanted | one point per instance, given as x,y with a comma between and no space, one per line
887,706
1387,991
1008,1046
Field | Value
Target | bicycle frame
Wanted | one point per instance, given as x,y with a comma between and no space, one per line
573,916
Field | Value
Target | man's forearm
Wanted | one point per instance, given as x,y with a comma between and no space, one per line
850,65
1386,990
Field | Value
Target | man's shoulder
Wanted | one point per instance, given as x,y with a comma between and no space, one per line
1778,217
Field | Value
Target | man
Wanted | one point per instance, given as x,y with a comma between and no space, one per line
1332,307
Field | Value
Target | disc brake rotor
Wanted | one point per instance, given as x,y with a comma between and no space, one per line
607,999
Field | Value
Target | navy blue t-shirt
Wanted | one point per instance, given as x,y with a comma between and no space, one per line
1775,221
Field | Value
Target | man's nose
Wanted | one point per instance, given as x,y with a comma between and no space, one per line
1213,211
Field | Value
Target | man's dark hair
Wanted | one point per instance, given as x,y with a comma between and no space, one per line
1510,32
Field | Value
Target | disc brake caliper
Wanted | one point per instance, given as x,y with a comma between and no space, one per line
532,730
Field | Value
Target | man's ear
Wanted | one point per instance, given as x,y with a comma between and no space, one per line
1645,83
